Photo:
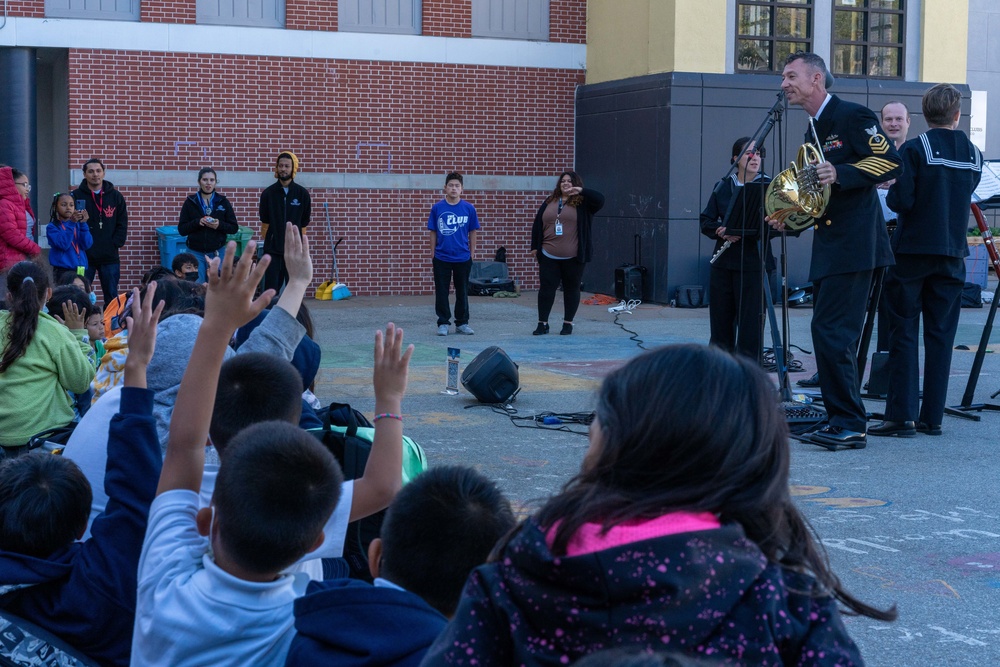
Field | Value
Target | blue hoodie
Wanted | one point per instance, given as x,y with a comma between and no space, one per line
85,592
346,622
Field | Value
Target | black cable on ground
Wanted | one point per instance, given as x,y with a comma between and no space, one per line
548,421
769,364
634,336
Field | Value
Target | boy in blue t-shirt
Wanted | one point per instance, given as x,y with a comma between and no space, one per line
453,223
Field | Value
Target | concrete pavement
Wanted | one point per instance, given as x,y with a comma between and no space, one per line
913,522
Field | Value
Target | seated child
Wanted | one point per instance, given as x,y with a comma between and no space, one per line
441,525
84,592
678,532
185,267
211,588
39,361
114,321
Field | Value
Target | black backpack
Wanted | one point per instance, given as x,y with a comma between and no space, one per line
351,453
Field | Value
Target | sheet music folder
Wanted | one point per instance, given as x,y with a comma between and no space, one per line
745,215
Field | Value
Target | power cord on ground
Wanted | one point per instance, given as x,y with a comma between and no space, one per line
626,308
548,421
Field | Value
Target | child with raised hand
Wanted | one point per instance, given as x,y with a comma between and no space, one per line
69,236
211,588
39,357
84,592
678,532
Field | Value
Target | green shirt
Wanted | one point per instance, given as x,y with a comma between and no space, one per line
33,390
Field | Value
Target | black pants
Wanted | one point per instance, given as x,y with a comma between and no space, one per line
275,275
839,305
109,274
550,273
928,287
444,272
735,304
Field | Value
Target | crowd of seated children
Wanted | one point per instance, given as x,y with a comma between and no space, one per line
439,527
41,360
679,516
214,575
84,592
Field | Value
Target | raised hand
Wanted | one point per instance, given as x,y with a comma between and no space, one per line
391,368
229,302
142,325
298,263
72,317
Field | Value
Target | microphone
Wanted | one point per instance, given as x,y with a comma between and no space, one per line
829,80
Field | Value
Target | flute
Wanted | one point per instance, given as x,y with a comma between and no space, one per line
718,253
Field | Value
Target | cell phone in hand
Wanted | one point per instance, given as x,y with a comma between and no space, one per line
81,204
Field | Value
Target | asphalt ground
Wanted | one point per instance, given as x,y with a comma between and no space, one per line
913,522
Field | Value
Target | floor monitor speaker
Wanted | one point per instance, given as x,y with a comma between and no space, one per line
492,376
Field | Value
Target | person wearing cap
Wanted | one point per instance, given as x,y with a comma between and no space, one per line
108,220
284,201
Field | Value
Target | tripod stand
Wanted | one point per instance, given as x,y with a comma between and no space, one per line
966,407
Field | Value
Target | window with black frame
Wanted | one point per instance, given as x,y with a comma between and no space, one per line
868,37
768,30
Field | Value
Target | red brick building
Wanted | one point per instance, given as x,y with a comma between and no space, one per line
377,98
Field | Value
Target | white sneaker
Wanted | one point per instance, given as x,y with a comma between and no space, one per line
443,330
464,329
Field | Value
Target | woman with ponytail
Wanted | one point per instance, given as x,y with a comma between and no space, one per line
40,358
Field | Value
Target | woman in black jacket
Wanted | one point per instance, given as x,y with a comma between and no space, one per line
561,242
207,218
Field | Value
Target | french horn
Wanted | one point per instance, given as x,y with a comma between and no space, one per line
795,197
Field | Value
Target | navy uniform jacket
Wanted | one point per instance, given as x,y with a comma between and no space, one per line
851,235
941,170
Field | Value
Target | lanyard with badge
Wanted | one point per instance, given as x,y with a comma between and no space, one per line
100,208
559,228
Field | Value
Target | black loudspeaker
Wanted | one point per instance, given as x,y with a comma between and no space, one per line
491,377
628,282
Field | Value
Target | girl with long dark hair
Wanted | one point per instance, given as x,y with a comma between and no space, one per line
561,243
678,532
40,358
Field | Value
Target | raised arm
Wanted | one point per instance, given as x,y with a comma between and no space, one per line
374,490
229,304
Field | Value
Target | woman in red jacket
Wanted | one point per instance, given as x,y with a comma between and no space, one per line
15,209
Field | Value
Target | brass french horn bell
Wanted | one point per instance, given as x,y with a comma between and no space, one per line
795,197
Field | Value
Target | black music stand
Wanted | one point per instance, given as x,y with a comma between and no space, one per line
966,407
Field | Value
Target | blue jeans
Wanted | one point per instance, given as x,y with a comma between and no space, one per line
110,275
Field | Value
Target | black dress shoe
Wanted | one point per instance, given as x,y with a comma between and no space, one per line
833,437
567,329
905,429
810,382
540,330
928,429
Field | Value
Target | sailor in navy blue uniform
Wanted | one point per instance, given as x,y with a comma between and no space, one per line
941,169
850,240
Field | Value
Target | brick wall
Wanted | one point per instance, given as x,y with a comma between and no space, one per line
386,244
339,116
167,11
431,118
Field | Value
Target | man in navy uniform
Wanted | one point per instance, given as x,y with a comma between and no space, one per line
850,241
941,170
